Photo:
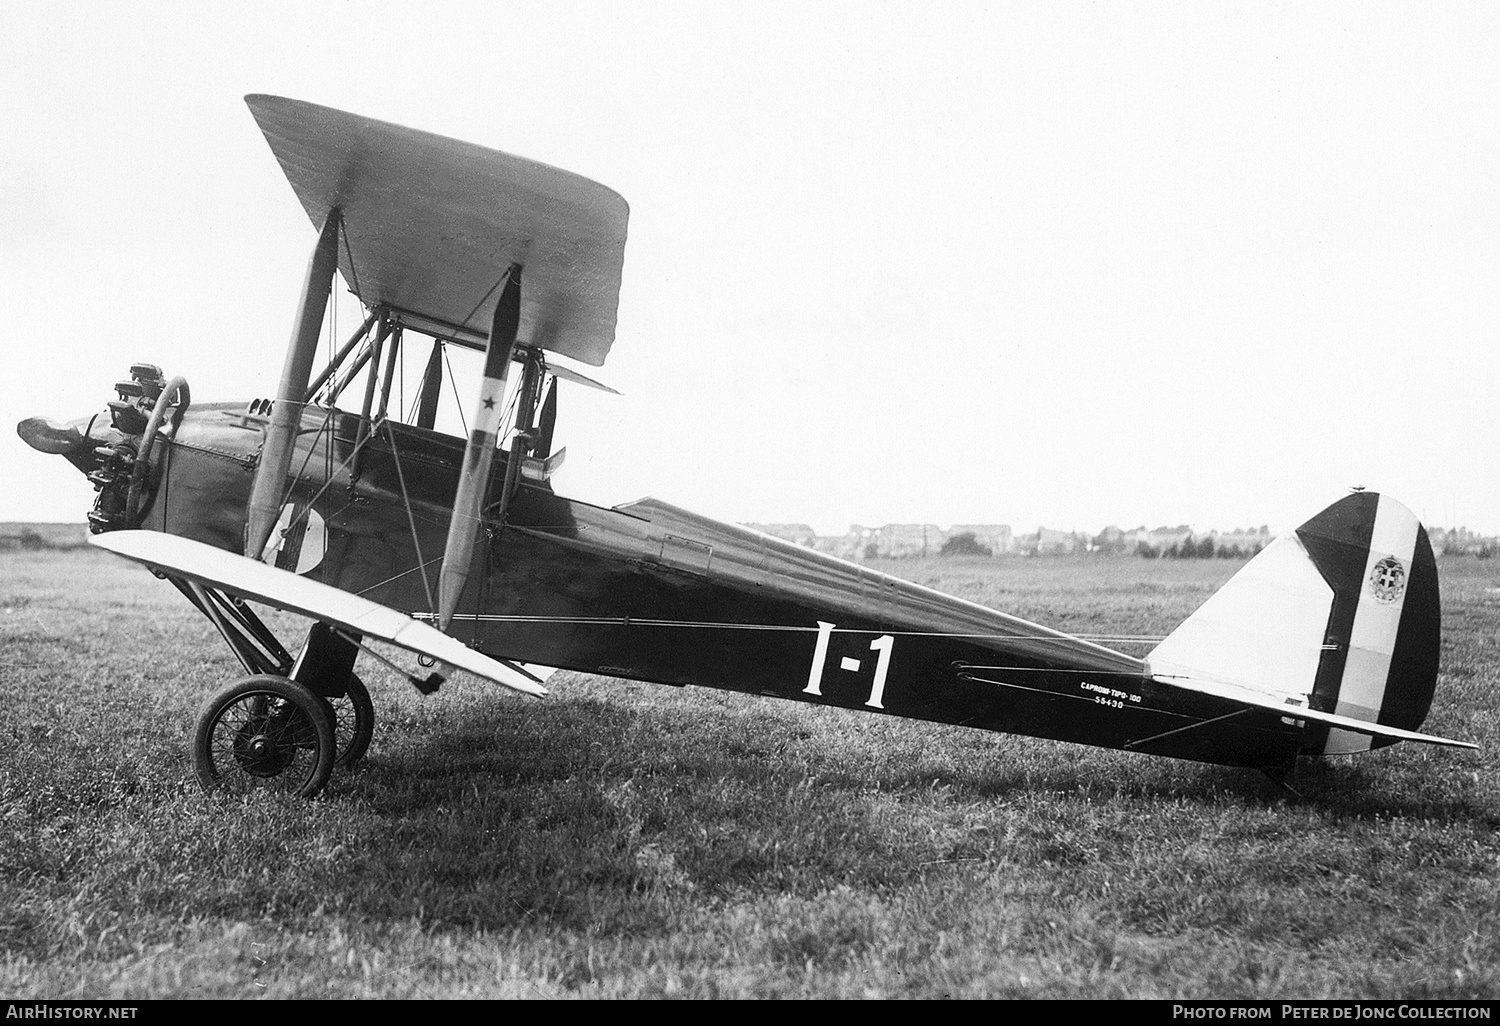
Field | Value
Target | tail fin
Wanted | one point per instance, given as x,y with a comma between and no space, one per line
1340,616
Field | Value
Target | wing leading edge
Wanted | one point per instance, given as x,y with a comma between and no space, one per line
182,557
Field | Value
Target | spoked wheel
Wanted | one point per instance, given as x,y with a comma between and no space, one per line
353,723
264,733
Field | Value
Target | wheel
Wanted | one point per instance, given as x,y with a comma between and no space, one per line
264,733
353,723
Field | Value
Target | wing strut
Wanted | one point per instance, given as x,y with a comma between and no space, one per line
432,388
549,420
473,481
526,435
286,414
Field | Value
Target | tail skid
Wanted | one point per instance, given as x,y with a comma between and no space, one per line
1336,624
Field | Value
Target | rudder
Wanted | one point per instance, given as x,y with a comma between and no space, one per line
1384,629
1340,616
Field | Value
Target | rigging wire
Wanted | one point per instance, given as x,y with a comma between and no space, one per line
410,519
410,415
312,447
508,419
333,334
349,252
632,621
396,577
488,293
453,387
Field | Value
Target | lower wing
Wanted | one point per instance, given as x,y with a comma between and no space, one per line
180,557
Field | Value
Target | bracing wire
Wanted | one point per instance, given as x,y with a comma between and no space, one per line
410,518
453,387
292,479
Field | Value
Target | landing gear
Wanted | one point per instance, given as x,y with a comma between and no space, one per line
288,725
265,733
326,666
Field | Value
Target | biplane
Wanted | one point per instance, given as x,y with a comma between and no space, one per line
334,501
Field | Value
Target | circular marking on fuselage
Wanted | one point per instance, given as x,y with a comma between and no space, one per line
307,551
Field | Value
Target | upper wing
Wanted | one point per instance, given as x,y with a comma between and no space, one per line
217,568
431,224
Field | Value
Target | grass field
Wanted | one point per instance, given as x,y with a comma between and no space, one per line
624,840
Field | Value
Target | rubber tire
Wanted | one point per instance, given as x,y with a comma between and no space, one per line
306,728
350,750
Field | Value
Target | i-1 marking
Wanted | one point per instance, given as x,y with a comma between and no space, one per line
881,645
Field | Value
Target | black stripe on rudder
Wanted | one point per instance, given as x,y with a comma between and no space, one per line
1338,541
1414,662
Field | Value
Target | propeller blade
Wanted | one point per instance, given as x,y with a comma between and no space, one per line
47,435
544,427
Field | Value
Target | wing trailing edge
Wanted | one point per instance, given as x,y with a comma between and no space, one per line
182,557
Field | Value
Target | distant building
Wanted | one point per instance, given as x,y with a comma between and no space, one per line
1048,542
1158,540
797,534
1246,542
900,541
903,541
1110,540
893,541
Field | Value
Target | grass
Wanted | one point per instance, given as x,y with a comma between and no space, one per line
624,840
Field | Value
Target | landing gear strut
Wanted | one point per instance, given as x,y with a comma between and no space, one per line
285,727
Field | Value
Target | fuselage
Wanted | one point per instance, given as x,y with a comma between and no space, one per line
652,592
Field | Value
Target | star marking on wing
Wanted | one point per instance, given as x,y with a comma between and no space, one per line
489,404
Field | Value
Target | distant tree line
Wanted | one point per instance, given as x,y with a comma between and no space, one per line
25,539
29,540
965,543
1196,548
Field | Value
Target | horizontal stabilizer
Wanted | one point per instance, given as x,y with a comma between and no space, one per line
181,557
1259,700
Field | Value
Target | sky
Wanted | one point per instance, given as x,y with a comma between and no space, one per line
1029,263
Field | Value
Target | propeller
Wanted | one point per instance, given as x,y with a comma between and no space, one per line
47,435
